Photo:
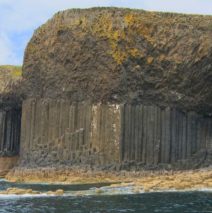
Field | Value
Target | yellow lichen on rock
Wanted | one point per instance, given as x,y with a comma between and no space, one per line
129,19
118,56
150,60
134,52
121,36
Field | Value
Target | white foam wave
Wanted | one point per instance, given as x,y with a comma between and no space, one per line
101,191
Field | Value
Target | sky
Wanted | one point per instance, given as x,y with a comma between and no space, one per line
19,18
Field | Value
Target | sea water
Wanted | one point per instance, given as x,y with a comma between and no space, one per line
84,199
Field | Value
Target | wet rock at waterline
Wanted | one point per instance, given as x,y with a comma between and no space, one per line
19,191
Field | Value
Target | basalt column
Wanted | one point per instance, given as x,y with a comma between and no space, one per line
10,126
153,135
56,132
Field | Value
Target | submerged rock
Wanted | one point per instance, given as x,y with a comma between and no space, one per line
19,191
59,192
122,55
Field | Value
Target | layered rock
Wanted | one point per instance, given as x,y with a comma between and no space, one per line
123,56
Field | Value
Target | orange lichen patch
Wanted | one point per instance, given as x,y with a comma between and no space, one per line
129,19
150,60
119,56
161,57
134,52
116,35
122,34
140,25
130,33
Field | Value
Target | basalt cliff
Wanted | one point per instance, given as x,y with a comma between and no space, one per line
10,116
123,56
119,89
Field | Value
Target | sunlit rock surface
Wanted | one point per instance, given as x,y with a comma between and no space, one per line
117,89
7,163
122,55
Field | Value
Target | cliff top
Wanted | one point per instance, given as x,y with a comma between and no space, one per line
10,77
123,56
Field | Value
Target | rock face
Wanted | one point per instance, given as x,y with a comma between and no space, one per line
123,56
7,163
118,88
10,128
10,111
58,132
10,89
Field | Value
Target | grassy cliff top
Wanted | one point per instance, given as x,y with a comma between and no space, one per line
9,76
14,71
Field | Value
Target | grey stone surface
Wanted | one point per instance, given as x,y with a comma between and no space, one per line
114,136
69,133
169,135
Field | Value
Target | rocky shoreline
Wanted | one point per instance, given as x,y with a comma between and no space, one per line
146,181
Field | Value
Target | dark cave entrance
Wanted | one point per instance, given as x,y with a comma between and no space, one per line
10,131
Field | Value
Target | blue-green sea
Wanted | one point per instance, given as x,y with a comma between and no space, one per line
84,199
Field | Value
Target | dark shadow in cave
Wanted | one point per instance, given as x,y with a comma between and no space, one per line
10,129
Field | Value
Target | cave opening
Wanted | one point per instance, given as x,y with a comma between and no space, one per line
10,131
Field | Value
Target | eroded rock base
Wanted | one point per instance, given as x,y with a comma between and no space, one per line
142,180
6,164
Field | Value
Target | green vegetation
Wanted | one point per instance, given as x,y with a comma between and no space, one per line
15,71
